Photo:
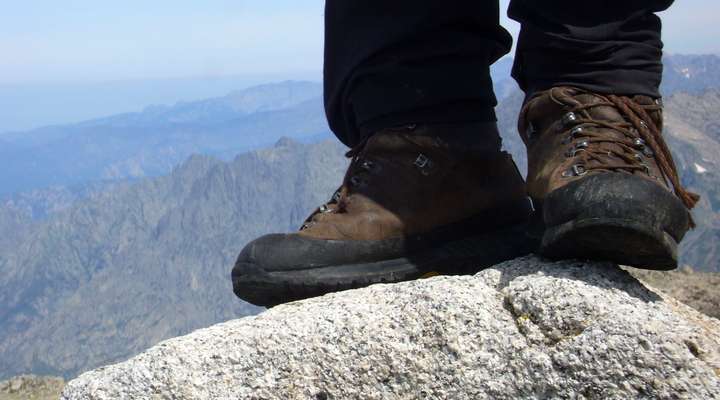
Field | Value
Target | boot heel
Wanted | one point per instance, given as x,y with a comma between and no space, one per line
623,241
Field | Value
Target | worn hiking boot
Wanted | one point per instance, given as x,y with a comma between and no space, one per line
411,204
603,179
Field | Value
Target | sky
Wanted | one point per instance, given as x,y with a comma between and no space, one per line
89,40
46,41
64,61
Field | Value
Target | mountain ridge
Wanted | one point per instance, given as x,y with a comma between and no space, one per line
151,142
237,103
127,152
690,73
150,257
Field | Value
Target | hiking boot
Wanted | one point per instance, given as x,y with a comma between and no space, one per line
412,204
603,179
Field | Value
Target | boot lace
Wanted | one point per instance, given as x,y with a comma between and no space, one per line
362,167
353,178
641,139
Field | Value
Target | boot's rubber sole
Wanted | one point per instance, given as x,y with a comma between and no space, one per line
621,241
623,218
463,256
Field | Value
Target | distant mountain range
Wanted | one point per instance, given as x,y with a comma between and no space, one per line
152,142
692,74
26,106
128,267
693,132
93,273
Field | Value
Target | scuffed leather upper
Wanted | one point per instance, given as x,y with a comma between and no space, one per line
403,182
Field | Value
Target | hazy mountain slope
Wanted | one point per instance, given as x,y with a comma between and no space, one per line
151,143
14,224
693,130
30,387
682,74
503,84
40,203
507,113
690,73
129,267
236,104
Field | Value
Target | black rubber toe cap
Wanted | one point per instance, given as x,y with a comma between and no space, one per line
286,252
617,196
278,268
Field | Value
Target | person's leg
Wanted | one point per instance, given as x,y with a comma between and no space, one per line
389,63
428,190
599,170
611,46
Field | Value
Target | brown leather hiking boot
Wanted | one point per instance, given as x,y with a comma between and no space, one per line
411,204
603,178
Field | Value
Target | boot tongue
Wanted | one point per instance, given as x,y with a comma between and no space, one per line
606,113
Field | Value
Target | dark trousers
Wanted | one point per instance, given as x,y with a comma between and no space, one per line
392,62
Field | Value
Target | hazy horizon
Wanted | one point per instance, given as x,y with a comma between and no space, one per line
31,106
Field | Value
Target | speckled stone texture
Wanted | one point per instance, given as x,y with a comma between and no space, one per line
527,328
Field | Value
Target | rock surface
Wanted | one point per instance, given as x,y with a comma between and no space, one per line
527,328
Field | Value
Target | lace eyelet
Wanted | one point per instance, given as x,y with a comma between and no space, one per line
575,170
355,181
578,148
573,134
569,119
367,165
423,163
579,169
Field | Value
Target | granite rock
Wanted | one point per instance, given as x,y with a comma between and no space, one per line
527,328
